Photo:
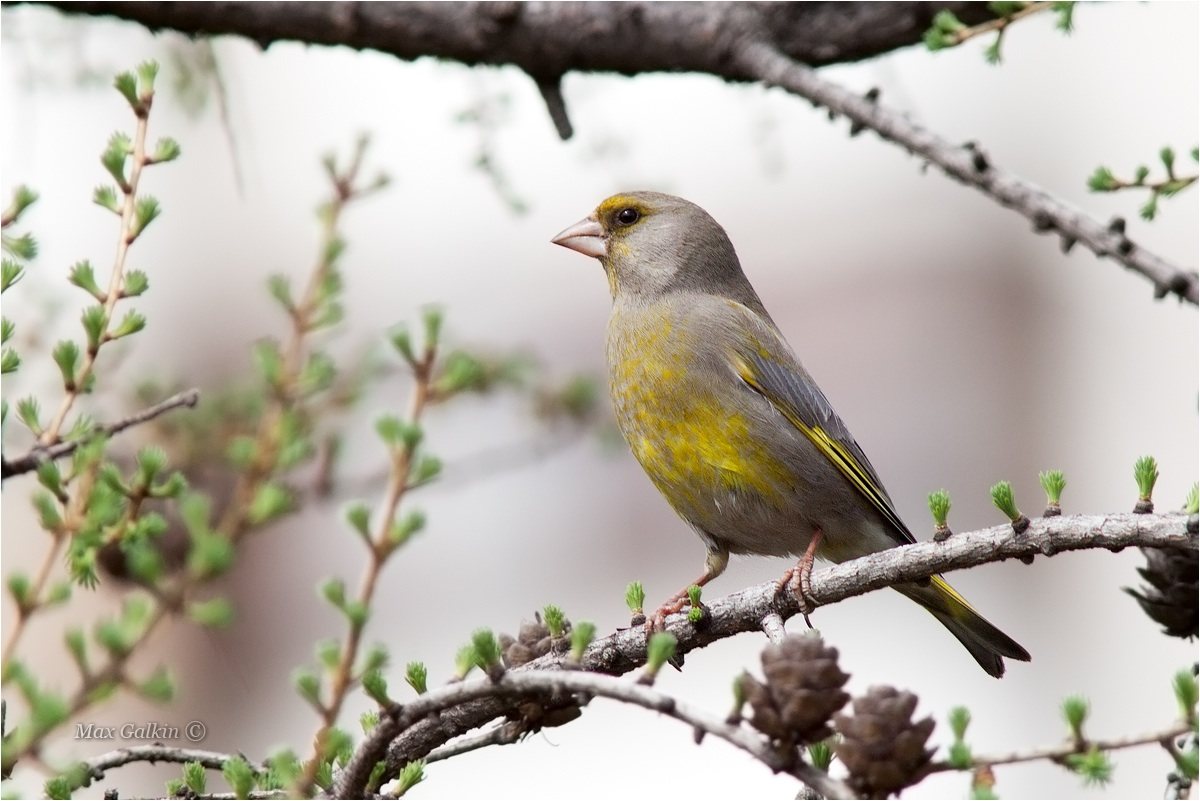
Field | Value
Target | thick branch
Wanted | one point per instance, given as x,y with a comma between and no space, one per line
969,165
560,686
413,736
44,453
774,42
547,40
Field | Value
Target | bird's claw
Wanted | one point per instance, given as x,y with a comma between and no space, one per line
798,581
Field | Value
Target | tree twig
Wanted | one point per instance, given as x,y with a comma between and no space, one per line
1057,753
412,738
969,165
505,734
561,685
45,453
998,24
213,760
381,547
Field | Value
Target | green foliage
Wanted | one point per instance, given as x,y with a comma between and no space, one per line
410,776
635,597
270,502
660,650
820,754
195,777
555,620
1104,180
939,507
1002,497
375,685
582,634
417,677
1053,482
1145,473
214,613
1187,694
359,518
465,661
404,528
158,687
943,32
1093,766
1075,709
485,648
308,686
1191,504
240,776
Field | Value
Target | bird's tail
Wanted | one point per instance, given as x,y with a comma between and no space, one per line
985,642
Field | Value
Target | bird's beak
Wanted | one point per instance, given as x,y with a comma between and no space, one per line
585,236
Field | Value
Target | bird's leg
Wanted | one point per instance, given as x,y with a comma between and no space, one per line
714,565
799,578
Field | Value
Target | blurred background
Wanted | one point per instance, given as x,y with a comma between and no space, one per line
960,348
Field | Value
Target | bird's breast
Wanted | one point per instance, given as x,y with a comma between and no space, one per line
695,442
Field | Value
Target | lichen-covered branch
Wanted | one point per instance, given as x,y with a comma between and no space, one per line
412,735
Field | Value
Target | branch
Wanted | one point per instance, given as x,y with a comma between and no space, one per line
771,42
547,40
44,453
560,685
970,166
1057,753
413,736
214,760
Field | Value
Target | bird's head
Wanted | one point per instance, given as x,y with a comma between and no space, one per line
653,244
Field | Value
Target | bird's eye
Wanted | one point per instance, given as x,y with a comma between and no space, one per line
627,216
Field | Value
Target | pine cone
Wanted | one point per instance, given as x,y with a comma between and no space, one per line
881,746
533,640
1170,600
803,689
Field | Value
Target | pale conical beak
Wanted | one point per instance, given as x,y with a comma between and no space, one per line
585,236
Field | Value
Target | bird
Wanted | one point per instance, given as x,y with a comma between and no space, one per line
726,422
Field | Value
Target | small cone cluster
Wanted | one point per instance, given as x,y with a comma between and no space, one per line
1170,600
803,689
881,746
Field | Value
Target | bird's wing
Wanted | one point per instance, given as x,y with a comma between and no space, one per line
767,366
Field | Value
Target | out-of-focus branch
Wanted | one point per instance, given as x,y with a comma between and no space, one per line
43,453
1058,753
562,686
547,40
414,735
213,760
778,43
970,165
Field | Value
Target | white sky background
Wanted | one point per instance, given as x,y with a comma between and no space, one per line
960,349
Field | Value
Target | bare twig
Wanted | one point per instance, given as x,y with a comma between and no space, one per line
561,685
969,165
1057,753
213,760
44,453
772,626
412,737
504,734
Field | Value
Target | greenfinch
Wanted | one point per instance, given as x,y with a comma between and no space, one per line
725,421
